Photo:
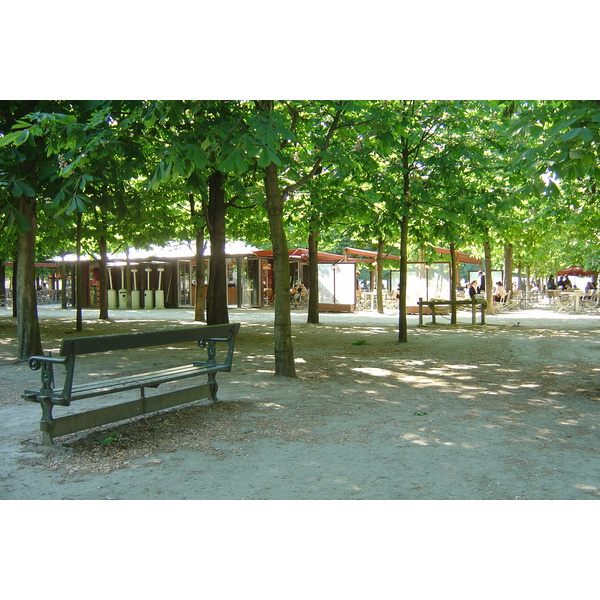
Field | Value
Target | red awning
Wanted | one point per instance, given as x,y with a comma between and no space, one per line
302,254
368,254
576,272
462,257
40,265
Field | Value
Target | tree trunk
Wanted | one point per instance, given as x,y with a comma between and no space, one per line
283,348
3,283
28,326
508,266
78,279
313,277
64,273
103,270
487,253
379,267
199,312
14,281
402,322
453,283
127,285
216,302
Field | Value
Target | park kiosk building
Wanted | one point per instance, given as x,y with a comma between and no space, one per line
166,277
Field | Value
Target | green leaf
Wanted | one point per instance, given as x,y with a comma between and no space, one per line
197,157
572,133
266,157
20,188
21,125
240,163
587,135
58,199
228,163
16,190
72,207
82,203
23,137
83,180
9,138
27,190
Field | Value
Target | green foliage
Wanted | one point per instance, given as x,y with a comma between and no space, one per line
504,170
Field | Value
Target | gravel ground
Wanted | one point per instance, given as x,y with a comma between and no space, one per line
508,411
494,412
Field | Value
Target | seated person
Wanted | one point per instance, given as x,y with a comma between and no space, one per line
294,295
473,289
499,292
302,291
590,289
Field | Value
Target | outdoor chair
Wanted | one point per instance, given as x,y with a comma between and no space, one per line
563,302
500,307
591,303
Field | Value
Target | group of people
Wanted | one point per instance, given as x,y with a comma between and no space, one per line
563,283
500,293
477,287
298,293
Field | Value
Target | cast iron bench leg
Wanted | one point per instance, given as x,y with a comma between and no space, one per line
46,422
214,386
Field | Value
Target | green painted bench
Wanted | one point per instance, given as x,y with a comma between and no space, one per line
51,395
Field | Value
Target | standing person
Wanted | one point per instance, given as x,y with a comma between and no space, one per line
481,287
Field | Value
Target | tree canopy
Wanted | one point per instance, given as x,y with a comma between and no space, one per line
398,175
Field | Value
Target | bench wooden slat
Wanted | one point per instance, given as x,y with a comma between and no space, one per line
103,387
124,410
145,339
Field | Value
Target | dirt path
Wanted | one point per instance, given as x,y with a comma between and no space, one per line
494,412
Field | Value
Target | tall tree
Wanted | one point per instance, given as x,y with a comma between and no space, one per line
308,129
27,173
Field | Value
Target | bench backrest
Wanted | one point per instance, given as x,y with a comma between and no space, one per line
143,339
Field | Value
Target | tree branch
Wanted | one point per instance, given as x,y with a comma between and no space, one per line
317,167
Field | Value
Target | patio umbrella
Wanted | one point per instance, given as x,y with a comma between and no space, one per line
575,272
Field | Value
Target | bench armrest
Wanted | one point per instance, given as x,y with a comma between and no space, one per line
36,362
211,348
47,391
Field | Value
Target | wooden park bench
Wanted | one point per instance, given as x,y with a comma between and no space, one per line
50,395
474,303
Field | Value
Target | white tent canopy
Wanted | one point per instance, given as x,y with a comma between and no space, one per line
171,250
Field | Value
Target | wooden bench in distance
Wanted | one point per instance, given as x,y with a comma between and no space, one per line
50,395
433,304
330,307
